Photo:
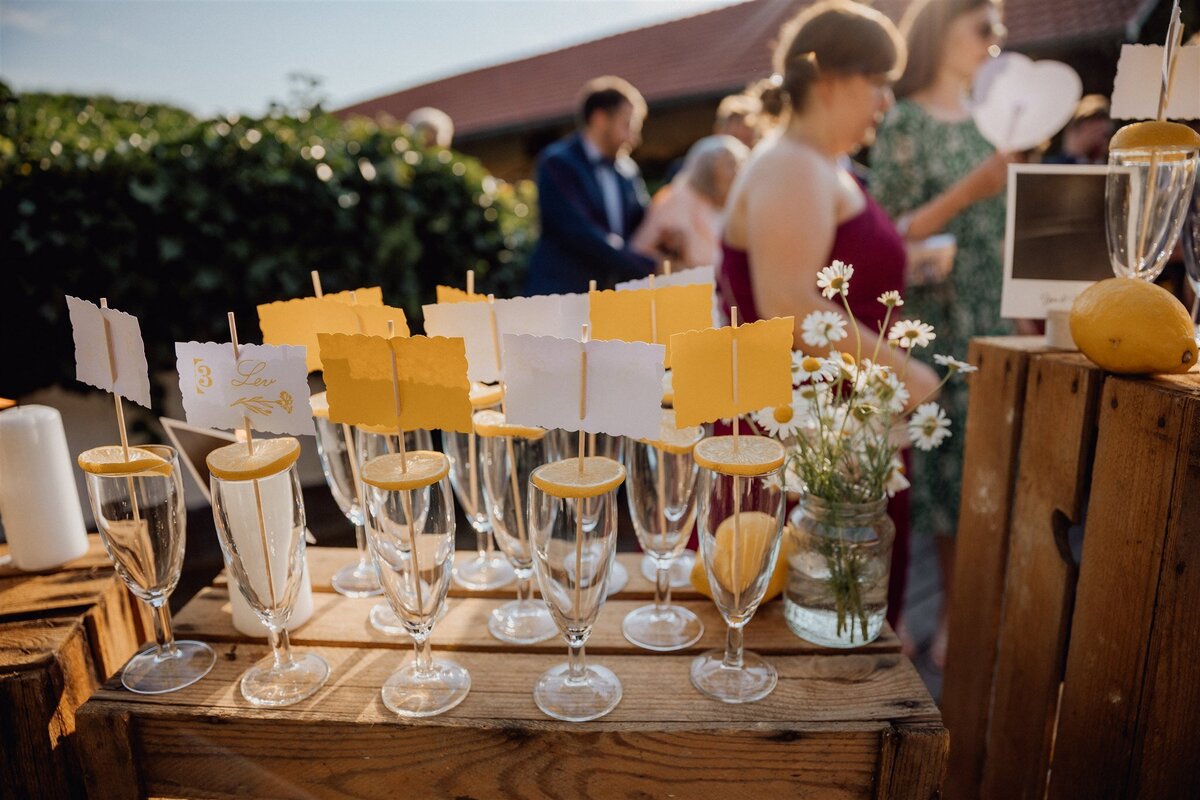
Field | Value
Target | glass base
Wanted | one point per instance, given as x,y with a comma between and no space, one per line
357,580
522,622
755,680
264,685
147,673
488,572
680,570
387,622
618,576
591,698
410,693
672,628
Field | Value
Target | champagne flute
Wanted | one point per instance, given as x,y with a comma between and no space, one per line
412,538
259,511
573,562
741,527
1191,252
139,509
371,441
510,455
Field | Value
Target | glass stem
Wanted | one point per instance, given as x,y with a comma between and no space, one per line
524,586
576,666
281,646
424,654
360,539
733,647
481,544
662,587
163,634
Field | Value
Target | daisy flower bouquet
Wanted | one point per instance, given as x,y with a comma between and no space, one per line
849,418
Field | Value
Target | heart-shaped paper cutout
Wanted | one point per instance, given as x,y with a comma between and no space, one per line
1019,103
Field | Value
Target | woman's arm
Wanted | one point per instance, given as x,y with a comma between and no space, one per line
985,180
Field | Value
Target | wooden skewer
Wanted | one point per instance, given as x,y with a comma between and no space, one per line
737,483
733,321
491,298
405,494
112,369
580,503
470,282
653,314
316,281
666,266
583,368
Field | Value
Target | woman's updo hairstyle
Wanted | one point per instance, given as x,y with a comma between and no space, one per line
836,37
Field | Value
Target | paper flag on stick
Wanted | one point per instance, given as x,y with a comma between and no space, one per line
297,322
266,384
449,294
432,376
682,277
559,315
624,385
1139,75
651,315
123,371
702,371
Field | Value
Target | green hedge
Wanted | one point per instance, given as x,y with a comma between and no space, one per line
180,220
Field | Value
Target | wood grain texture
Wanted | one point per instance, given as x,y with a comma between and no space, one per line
1057,437
913,762
1131,699
993,434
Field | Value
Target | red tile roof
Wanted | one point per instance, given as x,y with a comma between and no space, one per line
702,55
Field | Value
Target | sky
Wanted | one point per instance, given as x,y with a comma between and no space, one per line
224,56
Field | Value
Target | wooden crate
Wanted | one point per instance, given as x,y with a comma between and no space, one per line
839,725
62,634
1066,676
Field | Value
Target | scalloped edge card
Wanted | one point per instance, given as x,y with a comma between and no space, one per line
124,371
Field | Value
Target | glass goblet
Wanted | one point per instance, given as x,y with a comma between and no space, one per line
412,539
370,442
259,511
573,562
1146,195
488,569
510,455
662,503
335,445
142,522
740,522
565,445
1191,252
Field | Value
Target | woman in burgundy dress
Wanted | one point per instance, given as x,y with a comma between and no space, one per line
796,207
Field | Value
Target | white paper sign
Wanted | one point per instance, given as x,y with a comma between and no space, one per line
1139,77
683,277
624,385
126,373
268,384
1019,103
558,315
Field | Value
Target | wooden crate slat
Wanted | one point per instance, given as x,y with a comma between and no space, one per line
1062,392
993,433
39,594
913,762
1131,698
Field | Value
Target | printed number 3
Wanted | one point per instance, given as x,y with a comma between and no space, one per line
203,375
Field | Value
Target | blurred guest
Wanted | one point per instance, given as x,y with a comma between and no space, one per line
771,102
685,226
591,196
934,172
1085,139
432,127
794,208
737,116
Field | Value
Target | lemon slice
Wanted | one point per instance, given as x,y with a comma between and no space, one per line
110,460
271,456
395,473
754,534
563,478
485,396
491,423
1154,135
319,404
755,455
678,441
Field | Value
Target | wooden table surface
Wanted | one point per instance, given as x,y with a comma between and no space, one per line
839,724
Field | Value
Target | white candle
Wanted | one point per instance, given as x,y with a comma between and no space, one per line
39,501
248,623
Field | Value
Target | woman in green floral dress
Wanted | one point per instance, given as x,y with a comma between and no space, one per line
935,173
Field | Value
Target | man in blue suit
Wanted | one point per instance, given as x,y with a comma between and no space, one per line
591,196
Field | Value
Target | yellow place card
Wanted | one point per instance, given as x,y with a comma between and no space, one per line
650,315
373,321
449,294
362,296
430,375
297,322
702,370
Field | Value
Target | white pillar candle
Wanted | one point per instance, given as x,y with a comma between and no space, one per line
39,501
248,623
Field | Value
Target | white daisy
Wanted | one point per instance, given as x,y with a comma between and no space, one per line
834,280
781,422
811,368
908,333
890,392
928,427
954,364
891,299
896,480
820,328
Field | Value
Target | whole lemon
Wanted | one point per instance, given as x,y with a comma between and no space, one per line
1129,326
756,531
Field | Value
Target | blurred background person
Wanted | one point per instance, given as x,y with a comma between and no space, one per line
737,116
684,226
1085,139
794,208
934,172
591,196
432,127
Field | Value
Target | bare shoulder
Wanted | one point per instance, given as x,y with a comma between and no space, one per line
779,175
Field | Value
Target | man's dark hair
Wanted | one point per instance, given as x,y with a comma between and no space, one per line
608,94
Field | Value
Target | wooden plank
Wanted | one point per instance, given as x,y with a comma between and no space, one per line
913,762
107,744
58,593
993,434
1131,699
1061,396
343,621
